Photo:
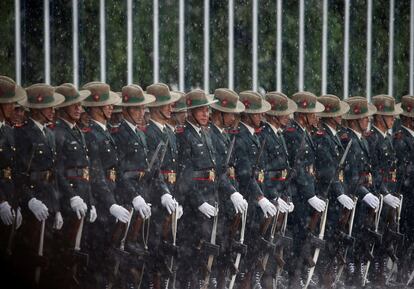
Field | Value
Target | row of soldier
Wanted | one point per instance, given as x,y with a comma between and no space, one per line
210,191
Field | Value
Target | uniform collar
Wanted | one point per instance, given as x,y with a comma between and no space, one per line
359,135
298,124
197,129
2,123
133,127
409,130
249,128
171,127
380,131
71,125
159,125
39,125
100,124
221,130
333,131
275,130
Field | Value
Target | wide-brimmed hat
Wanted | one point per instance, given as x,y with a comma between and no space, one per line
198,98
254,102
333,106
385,105
71,94
133,95
162,93
9,91
180,105
280,104
41,95
228,101
101,95
407,105
307,102
359,108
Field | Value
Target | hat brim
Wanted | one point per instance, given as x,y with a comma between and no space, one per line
58,99
209,103
238,109
266,106
319,107
19,95
292,107
343,109
148,98
404,113
174,98
183,109
371,111
112,99
83,94
397,111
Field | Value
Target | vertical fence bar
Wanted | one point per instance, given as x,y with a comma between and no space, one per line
279,46
324,45
231,44
17,42
254,46
301,44
346,50
156,42
207,45
130,45
75,42
412,48
369,49
102,40
181,46
391,50
46,23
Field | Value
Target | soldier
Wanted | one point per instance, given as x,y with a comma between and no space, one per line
37,180
197,191
73,183
103,173
357,174
301,150
329,183
231,201
404,148
19,115
250,176
116,117
10,216
384,168
277,166
179,112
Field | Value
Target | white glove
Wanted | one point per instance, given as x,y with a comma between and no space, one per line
291,207
39,209
208,210
19,218
58,221
371,200
6,214
392,201
142,207
120,213
318,204
282,205
92,214
78,206
179,211
239,203
267,207
168,202
346,201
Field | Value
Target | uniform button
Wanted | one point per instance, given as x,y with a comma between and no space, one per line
75,148
173,160
40,152
109,150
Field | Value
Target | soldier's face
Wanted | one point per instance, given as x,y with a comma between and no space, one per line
7,109
165,110
229,119
389,120
74,111
201,115
48,113
137,114
363,122
107,111
312,119
18,116
283,120
180,117
256,118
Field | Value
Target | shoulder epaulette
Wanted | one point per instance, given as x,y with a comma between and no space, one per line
114,129
51,126
19,125
258,130
320,132
86,129
179,129
233,131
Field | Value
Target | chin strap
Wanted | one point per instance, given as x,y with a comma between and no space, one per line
104,115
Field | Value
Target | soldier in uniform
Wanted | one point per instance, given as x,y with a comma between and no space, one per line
247,149
404,148
73,181
179,112
103,173
358,182
233,204
10,216
384,168
36,177
301,150
276,165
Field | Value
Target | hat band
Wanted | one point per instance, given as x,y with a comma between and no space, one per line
7,94
407,107
225,103
382,108
194,102
331,109
40,99
306,104
95,97
71,97
132,99
180,105
279,107
163,98
250,105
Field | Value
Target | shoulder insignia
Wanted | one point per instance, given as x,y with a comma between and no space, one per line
179,129
258,130
18,125
86,129
320,132
51,126
290,129
114,129
233,131
142,128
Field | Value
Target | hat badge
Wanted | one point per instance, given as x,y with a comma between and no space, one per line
224,102
304,103
39,98
409,108
328,107
380,107
96,97
357,109
246,103
189,102
273,104
126,97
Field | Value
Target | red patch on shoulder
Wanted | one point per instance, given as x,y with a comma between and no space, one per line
51,126
179,129
114,129
86,129
258,130
290,129
320,133
233,131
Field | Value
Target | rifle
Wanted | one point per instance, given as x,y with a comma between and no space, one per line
280,264
78,257
40,252
10,241
174,222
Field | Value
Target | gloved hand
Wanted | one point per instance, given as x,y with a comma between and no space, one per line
392,201
19,218
208,210
346,201
78,206
371,200
92,214
6,214
168,202
142,207
282,205
239,203
58,223
316,203
267,207
179,211
120,213
38,209
291,207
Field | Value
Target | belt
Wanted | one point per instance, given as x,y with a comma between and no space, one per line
6,173
279,175
231,173
310,170
134,174
169,176
367,177
111,175
207,175
43,176
78,173
259,176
